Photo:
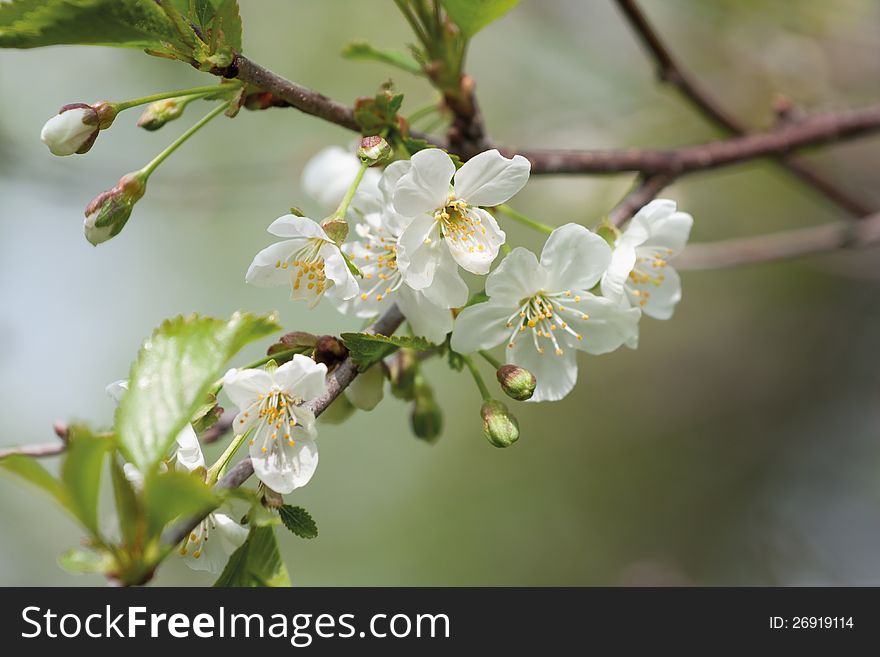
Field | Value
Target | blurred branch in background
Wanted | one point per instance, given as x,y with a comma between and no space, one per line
670,71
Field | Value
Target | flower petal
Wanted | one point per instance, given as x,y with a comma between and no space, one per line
425,187
303,227
243,386
266,269
519,275
659,300
419,252
481,326
426,318
327,176
301,378
233,534
345,285
490,178
117,389
608,324
448,289
667,230
189,451
575,258
475,246
284,467
555,374
623,259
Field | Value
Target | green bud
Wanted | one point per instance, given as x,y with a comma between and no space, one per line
426,418
338,412
336,229
161,112
402,370
516,382
367,390
499,425
108,212
374,150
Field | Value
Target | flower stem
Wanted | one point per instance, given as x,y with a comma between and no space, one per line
494,362
478,379
173,146
523,219
422,112
194,92
215,470
349,195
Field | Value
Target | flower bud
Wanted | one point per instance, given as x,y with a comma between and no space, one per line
161,112
336,229
499,425
367,390
73,130
426,418
330,351
374,150
108,212
338,412
516,382
402,370
270,498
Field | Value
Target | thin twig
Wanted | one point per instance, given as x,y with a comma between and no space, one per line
782,245
645,191
670,70
35,451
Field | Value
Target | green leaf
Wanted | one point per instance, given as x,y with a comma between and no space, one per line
367,349
361,50
80,560
298,520
121,23
379,113
174,372
31,471
471,16
81,474
256,563
128,506
477,297
226,28
170,495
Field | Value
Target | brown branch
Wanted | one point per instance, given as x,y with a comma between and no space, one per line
669,70
782,245
338,381
35,451
645,191
785,138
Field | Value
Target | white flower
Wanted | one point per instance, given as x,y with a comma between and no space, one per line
197,550
383,283
309,261
282,439
71,130
544,312
449,219
328,175
639,274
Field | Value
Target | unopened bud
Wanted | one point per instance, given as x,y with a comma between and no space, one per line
108,212
73,130
336,229
499,425
426,418
402,370
330,351
338,412
516,382
161,112
374,150
367,390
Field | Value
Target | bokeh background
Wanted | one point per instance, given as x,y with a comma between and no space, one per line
740,444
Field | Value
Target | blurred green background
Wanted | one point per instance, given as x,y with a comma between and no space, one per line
740,444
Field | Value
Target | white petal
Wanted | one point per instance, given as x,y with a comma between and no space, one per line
425,187
575,258
426,318
189,451
519,275
265,270
345,285
623,259
301,378
244,386
609,325
670,233
481,326
555,374
297,227
65,133
477,246
366,391
283,467
327,176
391,176
490,178
419,251
233,534
133,475
641,226
660,300
117,389
448,289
